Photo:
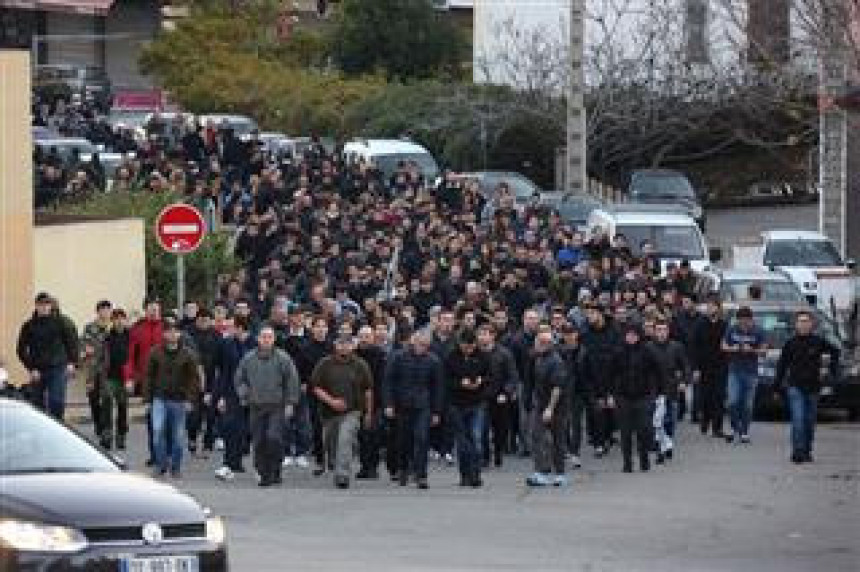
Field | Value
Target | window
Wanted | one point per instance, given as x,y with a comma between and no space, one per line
669,241
801,253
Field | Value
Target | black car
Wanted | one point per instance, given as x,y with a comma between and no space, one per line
88,84
665,186
66,505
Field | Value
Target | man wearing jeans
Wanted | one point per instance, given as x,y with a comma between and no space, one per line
48,348
799,368
743,344
172,385
469,379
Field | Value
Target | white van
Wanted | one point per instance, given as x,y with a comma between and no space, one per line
386,154
674,234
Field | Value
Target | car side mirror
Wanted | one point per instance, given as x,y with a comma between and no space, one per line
715,255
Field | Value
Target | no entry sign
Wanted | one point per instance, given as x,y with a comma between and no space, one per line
180,229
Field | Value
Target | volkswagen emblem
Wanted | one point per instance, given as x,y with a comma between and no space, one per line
152,534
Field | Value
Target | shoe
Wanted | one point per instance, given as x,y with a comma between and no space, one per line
645,467
669,454
422,483
393,477
627,469
120,442
175,474
341,482
302,462
745,439
434,455
318,472
277,479
575,461
225,474
105,444
150,462
537,480
718,435
403,479
476,482
808,458
660,459
449,459
219,444
465,481
559,481
798,458
265,483
497,462
599,451
288,462
192,447
159,473
730,439
239,469
364,475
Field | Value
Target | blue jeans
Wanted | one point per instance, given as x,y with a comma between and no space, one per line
670,419
742,386
49,393
298,434
168,415
469,423
802,407
413,427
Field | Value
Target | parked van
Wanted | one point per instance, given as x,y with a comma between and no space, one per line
386,154
674,234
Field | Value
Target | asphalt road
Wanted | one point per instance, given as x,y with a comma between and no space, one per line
715,508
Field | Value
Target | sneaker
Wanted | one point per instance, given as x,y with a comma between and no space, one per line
341,482
422,483
159,473
192,447
288,462
476,482
175,474
669,454
798,458
318,472
403,478
449,459
434,455
661,458
730,439
363,475
627,469
559,481
219,444
302,462
225,474
599,452
575,461
120,442
537,480
745,439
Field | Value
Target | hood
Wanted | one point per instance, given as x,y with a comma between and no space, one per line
85,500
802,275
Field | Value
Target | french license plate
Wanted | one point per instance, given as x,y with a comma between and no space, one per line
161,564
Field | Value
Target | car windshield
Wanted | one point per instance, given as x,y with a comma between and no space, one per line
522,188
31,442
771,291
801,253
663,186
673,241
574,211
128,117
426,164
778,326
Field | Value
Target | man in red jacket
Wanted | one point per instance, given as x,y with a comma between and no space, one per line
143,337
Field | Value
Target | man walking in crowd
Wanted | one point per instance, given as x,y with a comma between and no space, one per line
92,340
343,385
413,392
172,384
675,375
711,367
578,364
469,379
504,381
549,412
799,369
205,341
114,389
143,337
371,438
48,349
743,344
268,383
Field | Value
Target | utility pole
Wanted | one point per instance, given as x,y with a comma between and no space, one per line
575,171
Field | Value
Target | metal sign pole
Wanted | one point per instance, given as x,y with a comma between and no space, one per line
180,283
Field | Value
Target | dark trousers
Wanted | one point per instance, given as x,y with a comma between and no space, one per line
113,396
372,439
549,440
49,393
579,413
444,435
202,418
267,437
413,427
712,388
95,397
316,431
234,429
602,426
635,416
501,422
469,422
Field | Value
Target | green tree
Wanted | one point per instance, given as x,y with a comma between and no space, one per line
202,268
403,38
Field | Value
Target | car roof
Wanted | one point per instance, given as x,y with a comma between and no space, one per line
386,146
666,215
758,274
792,235
655,172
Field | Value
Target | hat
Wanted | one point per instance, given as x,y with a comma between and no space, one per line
43,298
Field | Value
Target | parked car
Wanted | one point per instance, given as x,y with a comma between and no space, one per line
573,209
241,125
665,186
777,322
70,82
66,147
734,286
67,505
387,154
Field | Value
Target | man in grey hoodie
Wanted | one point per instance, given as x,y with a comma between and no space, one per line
267,381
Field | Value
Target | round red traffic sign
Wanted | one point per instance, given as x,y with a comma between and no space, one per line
180,228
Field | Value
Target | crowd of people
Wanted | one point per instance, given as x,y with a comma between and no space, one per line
394,316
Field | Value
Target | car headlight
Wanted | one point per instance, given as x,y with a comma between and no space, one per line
216,532
35,537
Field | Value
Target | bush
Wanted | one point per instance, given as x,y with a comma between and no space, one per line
202,268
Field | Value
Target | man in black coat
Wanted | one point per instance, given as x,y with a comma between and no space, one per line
711,369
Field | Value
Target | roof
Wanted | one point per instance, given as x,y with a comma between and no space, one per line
756,274
648,214
386,146
793,235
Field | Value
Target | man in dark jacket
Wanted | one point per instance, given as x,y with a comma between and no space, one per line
413,392
172,384
711,368
522,348
549,414
48,349
604,346
799,368
373,437
113,391
468,376
504,381
578,363
206,342
636,383
675,375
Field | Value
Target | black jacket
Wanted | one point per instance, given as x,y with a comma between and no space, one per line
674,366
115,354
458,367
579,369
799,362
413,381
707,344
604,348
375,358
637,374
503,371
549,373
46,341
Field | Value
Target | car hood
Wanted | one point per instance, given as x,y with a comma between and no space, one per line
95,500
